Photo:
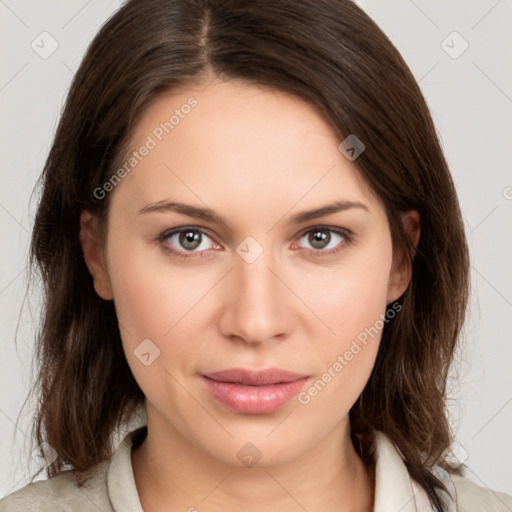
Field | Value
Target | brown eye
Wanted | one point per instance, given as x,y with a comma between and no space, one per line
324,240
186,242
190,239
319,239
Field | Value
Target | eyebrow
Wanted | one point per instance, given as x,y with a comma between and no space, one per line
207,214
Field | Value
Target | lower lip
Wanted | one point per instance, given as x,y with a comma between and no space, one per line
254,399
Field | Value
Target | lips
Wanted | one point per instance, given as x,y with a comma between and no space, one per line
248,377
254,391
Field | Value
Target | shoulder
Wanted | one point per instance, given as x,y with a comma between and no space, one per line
109,481
472,498
73,491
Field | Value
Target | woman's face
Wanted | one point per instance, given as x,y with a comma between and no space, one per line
268,287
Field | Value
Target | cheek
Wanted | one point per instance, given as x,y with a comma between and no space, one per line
151,304
142,299
160,302
350,297
151,295
351,302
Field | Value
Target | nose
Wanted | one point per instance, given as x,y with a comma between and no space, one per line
257,303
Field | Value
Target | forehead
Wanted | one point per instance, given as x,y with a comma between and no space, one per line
234,137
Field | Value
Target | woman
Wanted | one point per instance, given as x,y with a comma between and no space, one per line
249,239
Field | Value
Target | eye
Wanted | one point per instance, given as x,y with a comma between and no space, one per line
186,240
326,240
190,242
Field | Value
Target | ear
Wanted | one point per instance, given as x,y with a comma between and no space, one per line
93,254
401,270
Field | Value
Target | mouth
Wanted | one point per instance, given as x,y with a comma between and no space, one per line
254,391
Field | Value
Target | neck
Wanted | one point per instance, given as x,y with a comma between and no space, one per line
172,474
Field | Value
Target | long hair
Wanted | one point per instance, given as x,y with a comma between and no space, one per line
326,52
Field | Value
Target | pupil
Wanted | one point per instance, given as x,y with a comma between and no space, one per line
319,239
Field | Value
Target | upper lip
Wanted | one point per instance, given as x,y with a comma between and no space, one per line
250,377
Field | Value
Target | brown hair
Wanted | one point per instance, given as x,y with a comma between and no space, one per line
332,55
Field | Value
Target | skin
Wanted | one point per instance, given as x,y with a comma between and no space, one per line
256,157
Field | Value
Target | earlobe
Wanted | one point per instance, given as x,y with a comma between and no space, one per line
93,254
401,271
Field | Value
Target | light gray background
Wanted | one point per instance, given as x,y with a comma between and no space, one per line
471,101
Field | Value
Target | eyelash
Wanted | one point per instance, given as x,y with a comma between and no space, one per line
345,234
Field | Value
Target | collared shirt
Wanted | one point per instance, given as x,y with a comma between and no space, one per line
110,487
